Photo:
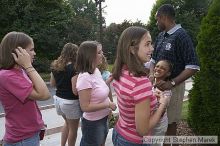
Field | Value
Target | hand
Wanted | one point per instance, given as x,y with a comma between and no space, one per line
109,80
157,93
73,81
112,105
164,85
22,58
151,78
164,99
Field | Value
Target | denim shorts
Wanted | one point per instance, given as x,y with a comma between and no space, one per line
94,133
68,108
118,140
32,141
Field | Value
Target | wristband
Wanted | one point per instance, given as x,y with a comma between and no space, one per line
29,67
31,71
172,82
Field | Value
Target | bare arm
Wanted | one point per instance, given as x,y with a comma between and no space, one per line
73,81
184,75
40,90
110,93
151,74
87,106
151,68
52,80
166,85
143,120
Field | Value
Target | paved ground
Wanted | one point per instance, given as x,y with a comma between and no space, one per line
55,123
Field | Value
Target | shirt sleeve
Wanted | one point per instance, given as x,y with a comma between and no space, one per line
84,81
19,86
142,90
106,75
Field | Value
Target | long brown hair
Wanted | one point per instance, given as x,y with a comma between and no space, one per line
9,43
129,39
87,56
68,54
104,65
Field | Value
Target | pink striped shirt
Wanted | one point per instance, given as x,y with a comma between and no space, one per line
131,90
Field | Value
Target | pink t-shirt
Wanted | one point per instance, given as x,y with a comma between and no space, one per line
22,115
99,93
131,90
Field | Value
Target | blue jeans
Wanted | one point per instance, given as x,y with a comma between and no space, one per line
32,141
94,133
118,140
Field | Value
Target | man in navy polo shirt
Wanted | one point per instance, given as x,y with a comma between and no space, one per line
175,45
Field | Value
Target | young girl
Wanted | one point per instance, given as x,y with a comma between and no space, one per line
20,87
134,90
66,102
93,94
162,71
103,68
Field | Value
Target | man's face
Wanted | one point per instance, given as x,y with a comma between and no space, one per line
160,22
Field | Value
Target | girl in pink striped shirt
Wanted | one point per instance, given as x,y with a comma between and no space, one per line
135,98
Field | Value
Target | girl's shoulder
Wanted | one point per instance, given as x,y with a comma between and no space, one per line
135,80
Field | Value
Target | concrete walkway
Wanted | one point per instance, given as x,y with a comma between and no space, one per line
55,123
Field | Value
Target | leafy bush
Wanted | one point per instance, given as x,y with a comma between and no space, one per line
113,120
42,65
204,103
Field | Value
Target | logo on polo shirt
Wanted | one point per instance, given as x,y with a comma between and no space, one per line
168,46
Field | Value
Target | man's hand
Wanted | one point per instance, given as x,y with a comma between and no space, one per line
164,85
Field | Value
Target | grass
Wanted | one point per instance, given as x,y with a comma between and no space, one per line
184,113
110,67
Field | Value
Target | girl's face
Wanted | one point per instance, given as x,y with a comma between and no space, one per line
99,55
30,50
145,48
162,70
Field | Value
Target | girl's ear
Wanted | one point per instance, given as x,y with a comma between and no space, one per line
132,50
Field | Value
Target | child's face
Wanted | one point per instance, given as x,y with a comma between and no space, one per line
31,52
145,48
99,55
162,70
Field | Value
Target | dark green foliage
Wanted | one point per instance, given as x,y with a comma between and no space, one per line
42,65
113,120
51,23
204,106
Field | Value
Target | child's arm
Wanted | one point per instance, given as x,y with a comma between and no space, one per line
110,94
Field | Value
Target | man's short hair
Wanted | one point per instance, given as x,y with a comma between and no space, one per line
167,10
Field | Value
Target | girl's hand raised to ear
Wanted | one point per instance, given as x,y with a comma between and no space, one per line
22,58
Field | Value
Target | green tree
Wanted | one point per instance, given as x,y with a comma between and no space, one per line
204,103
51,23
189,14
86,16
45,21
